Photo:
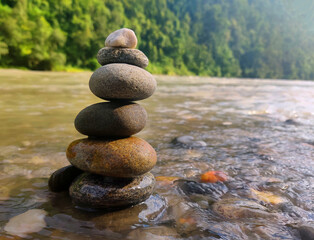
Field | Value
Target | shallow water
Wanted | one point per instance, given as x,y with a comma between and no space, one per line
259,132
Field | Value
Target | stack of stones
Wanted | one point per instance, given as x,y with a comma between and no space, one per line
111,168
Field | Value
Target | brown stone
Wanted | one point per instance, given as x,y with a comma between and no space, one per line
111,119
119,81
96,191
109,55
126,157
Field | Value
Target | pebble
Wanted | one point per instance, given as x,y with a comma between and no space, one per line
306,231
212,190
96,191
126,157
236,208
188,142
111,119
61,179
124,38
109,55
28,222
291,122
119,81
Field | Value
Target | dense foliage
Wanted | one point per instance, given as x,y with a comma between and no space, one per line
231,38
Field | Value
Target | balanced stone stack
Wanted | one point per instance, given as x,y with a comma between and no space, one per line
111,167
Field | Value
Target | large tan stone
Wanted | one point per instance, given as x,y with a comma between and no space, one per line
126,157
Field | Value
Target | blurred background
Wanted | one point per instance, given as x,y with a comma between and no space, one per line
225,38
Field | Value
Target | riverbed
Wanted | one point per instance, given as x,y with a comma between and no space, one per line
260,133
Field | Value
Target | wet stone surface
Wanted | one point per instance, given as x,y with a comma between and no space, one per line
96,191
124,158
212,190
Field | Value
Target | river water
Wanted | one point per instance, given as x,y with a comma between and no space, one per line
258,132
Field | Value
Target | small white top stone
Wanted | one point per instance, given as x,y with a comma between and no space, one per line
123,38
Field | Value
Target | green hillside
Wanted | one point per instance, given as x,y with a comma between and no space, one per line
229,38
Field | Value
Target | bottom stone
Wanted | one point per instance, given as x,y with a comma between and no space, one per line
96,191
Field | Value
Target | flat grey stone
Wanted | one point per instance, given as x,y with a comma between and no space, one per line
109,55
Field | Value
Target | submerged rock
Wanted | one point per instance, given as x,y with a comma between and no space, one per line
126,157
111,119
109,55
124,38
61,179
96,191
212,190
119,81
154,233
4,193
235,208
188,142
29,222
291,122
306,231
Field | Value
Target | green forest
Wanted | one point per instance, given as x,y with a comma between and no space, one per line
223,38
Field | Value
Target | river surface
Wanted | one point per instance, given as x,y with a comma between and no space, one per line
258,132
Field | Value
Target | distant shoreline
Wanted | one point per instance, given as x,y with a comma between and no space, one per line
82,71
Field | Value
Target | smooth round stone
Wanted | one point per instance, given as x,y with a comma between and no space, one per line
109,55
124,38
61,179
126,157
96,191
122,81
111,119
